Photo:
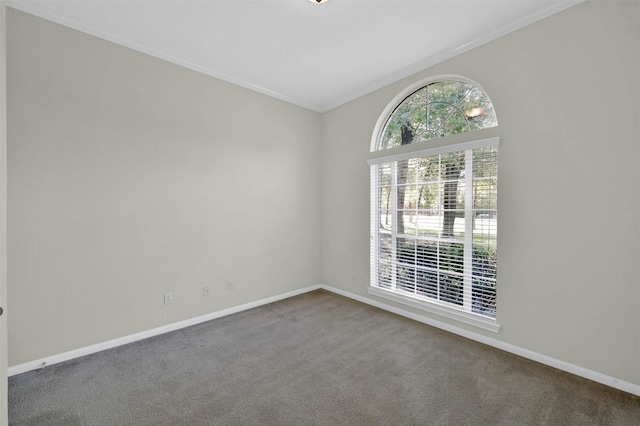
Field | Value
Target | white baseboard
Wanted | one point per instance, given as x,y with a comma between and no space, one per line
525,353
66,356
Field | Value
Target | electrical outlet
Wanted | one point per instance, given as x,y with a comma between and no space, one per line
168,298
229,285
205,291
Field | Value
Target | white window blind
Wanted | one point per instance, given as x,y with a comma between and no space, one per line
434,226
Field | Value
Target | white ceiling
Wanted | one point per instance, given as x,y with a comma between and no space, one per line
315,56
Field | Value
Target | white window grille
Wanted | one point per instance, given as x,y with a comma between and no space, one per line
432,237
434,211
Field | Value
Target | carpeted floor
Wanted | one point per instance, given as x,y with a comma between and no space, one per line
314,359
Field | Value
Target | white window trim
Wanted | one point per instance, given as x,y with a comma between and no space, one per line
431,306
435,308
480,143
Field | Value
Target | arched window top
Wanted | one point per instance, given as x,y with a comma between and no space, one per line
439,108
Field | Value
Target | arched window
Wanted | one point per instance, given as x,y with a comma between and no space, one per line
434,209
438,109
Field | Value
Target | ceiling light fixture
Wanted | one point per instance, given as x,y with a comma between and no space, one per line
318,1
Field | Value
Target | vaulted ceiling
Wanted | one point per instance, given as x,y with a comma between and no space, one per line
315,56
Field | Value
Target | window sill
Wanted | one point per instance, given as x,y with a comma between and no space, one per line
444,311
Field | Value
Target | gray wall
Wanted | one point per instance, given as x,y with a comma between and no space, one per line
4,418
130,177
566,93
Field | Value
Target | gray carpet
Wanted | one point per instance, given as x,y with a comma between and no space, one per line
314,359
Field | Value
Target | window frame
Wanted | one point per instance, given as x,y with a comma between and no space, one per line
466,141
400,97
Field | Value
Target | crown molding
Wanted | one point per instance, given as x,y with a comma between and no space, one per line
450,53
43,10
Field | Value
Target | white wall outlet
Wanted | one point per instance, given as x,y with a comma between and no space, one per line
229,285
168,298
205,291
